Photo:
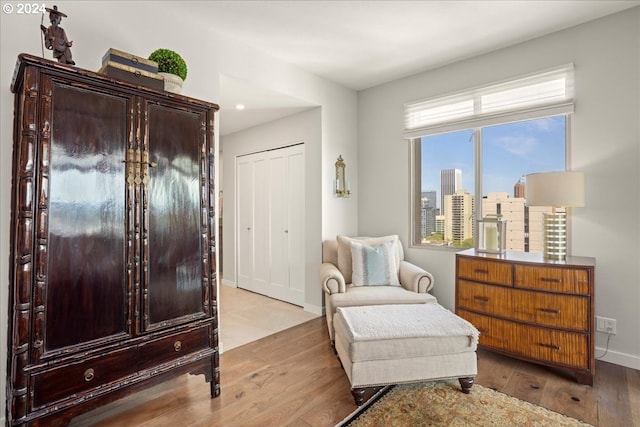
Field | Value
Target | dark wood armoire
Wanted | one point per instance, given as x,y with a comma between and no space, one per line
113,254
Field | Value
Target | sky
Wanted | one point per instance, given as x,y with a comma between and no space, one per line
509,151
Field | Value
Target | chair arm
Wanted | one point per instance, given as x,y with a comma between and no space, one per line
332,279
415,278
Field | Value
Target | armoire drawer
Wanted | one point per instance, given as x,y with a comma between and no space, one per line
485,271
63,381
172,347
554,279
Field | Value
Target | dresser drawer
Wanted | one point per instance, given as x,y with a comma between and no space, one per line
495,300
64,381
547,345
555,279
485,271
174,346
548,309
493,332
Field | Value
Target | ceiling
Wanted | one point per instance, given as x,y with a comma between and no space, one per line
360,44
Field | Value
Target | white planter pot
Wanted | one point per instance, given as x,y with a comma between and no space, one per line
172,83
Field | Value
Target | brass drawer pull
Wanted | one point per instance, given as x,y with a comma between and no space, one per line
550,346
480,271
480,298
546,279
549,310
177,346
89,374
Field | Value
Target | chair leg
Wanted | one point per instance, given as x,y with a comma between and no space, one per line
362,394
466,384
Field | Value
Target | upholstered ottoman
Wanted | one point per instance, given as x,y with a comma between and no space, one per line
391,344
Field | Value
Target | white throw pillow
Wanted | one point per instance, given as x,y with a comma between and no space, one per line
344,251
374,265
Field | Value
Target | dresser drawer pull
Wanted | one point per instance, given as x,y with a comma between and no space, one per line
480,298
89,374
549,310
480,271
177,346
550,346
549,280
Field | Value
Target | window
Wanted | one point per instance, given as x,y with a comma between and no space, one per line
470,158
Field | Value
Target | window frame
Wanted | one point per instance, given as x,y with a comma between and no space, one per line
415,177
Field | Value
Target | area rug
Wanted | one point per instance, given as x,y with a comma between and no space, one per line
442,404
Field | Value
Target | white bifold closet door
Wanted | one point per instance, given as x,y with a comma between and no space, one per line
271,205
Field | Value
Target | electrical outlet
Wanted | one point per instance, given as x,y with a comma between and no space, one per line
606,325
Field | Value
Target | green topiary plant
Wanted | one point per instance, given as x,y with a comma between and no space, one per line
169,62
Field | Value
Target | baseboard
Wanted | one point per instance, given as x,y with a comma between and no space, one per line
228,283
314,309
618,358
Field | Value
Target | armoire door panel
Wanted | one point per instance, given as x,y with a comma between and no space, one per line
84,252
174,255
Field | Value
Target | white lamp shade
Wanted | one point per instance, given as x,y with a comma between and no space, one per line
556,189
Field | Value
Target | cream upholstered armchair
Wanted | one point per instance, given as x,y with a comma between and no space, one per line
359,271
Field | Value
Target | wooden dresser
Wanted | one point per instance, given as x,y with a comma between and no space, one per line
113,272
530,308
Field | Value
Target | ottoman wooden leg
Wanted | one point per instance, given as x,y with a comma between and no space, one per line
466,384
362,394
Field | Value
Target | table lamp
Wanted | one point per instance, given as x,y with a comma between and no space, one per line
557,190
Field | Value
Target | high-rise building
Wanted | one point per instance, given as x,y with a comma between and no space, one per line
514,211
428,213
524,223
450,183
440,224
518,188
430,196
458,218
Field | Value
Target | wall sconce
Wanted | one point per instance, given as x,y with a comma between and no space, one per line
557,190
342,185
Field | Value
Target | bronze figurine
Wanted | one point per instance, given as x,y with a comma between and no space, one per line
55,38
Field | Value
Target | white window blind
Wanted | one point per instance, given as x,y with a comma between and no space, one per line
542,94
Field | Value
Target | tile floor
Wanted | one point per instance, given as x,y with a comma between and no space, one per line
246,316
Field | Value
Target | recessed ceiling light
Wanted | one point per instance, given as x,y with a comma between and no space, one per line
239,106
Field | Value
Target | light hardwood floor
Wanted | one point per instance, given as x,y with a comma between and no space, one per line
293,378
246,316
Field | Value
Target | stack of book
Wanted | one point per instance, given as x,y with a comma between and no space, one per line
132,69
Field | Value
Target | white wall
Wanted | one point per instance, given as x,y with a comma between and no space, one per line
605,145
303,127
141,27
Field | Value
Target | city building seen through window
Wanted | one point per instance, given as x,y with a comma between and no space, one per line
447,166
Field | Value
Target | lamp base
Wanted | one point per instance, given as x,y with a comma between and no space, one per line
555,235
